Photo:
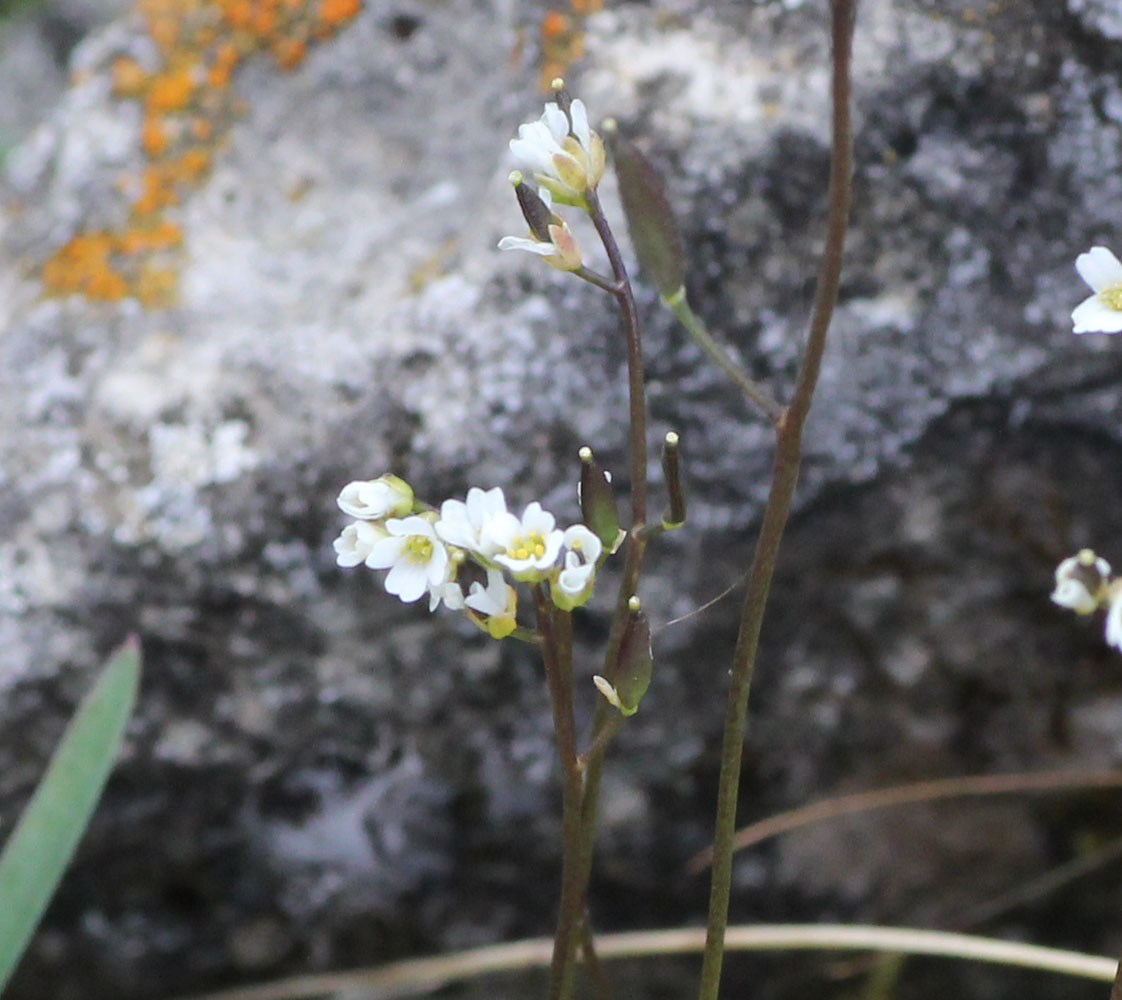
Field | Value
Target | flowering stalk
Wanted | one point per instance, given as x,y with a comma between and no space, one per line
785,474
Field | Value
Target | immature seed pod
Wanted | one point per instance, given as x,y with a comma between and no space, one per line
650,219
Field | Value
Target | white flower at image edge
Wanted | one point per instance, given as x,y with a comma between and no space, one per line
529,546
1114,622
1101,312
461,524
415,557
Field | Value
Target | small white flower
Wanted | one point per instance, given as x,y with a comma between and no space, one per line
573,585
529,546
375,499
461,524
448,590
497,603
354,545
1081,582
1101,312
494,599
561,152
1114,620
415,557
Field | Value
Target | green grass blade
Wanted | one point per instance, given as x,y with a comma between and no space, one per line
44,840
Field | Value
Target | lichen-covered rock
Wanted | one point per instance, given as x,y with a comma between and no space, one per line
319,776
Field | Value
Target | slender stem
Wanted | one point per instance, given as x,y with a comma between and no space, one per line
788,455
757,394
601,735
411,977
918,791
603,726
597,279
597,976
636,388
555,629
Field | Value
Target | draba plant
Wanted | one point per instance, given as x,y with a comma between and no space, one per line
475,556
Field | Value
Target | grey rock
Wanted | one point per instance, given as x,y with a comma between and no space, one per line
319,776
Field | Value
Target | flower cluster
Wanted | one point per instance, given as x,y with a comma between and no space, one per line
565,158
1084,584
434,552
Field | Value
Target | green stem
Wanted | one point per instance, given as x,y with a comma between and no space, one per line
555,629
593,967
756,393
788,456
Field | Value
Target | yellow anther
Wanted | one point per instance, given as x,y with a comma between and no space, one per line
1112,297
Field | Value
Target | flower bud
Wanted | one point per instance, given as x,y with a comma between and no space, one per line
597,502
377,499
631,675
1081,582
538,215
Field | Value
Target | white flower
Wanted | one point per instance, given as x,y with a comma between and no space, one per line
448,590
1101,312
1114,621
1081,582
415,557
497,598
461,524
529,546
495,605
354,545
561,152
573,585
375,499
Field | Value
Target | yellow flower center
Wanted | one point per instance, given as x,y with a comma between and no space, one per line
418,549
1112,297
528,546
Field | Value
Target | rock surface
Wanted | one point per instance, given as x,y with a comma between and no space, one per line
321,777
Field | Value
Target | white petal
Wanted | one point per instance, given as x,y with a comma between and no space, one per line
367,500
1095,316
1073,594
385,553
407,580
556,121
534,518
491,600
1099,268
530,246
580,123
1114,623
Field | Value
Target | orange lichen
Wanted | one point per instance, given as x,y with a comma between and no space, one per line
338,11
189,106
129,77
153,137
562,39
82,266
289,52
170,92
